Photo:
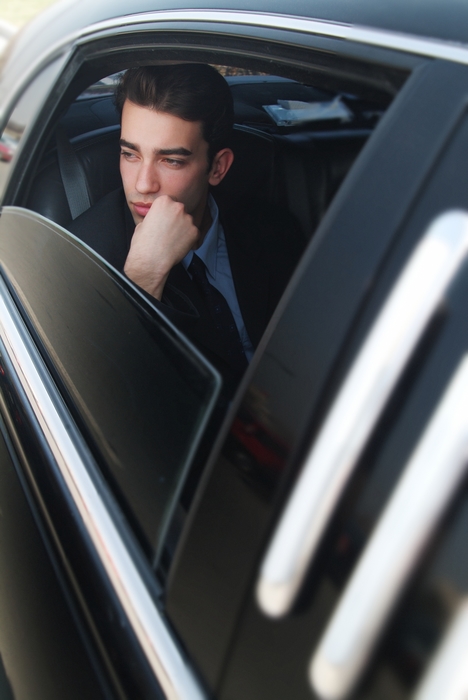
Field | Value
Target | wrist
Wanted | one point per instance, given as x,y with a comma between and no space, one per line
152,281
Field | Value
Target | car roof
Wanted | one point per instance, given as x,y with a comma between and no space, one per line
445,20
442,19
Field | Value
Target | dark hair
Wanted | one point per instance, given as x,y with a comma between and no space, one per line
195,92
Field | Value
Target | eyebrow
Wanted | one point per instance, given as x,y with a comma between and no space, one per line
127,144
180,151
174,152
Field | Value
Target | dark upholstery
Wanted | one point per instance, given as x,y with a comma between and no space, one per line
312,168
99,154
253,172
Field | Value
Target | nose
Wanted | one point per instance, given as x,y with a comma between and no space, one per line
147,181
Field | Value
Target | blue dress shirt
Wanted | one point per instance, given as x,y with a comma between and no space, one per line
213,252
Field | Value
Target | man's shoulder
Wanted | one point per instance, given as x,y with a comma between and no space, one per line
112,204
104,227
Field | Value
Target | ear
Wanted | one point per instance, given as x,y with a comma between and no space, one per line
221,164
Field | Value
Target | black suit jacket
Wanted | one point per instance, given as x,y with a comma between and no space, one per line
263,247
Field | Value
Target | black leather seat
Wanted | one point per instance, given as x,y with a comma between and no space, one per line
98,152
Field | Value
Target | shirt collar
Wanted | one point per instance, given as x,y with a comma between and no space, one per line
207,252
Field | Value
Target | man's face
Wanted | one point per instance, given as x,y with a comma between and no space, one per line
162,154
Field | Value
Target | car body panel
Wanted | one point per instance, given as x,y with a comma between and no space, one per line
40,642
414,631
440,22
295,400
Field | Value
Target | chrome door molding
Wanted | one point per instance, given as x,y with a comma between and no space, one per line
360,401
425,489
169,666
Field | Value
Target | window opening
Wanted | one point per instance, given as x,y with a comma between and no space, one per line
294,143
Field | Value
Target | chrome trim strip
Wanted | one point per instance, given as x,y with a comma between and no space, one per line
423,492
171,670
447,675
396,41
407,43
357,408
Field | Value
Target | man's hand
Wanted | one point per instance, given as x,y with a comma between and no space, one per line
160,241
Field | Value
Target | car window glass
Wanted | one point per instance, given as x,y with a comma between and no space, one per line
138,390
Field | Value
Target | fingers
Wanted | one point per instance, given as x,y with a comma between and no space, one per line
170,228
160,241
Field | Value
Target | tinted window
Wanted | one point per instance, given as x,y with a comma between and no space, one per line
139,391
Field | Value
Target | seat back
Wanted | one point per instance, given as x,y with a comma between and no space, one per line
98,152
253,173
313,166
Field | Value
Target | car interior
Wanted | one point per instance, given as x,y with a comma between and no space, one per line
293,142
293,145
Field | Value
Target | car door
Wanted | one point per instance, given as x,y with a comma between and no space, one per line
410,173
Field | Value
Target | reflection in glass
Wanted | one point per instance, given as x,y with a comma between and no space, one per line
139,392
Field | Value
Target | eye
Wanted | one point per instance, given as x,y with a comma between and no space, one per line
174,162
128,155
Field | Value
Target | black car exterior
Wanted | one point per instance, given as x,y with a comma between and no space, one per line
310,541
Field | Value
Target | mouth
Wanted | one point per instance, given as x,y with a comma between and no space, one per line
141,208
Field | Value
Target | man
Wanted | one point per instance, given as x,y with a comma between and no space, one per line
217,276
